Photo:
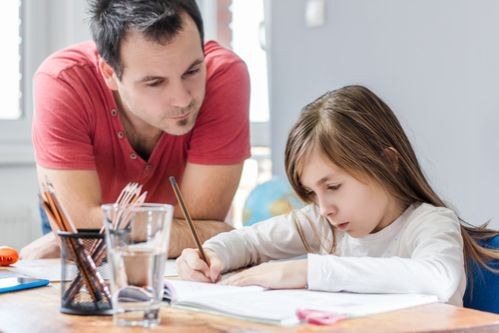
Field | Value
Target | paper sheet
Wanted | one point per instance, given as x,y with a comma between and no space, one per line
280,306
50,269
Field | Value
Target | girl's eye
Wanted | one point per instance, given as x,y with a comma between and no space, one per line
333,187
310,195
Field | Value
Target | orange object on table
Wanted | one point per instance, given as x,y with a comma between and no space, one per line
8,255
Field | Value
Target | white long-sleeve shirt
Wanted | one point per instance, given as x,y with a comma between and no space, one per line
420,252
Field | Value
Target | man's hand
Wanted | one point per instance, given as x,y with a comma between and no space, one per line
181,235
274,275
44,247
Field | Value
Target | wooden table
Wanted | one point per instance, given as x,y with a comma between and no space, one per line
37,310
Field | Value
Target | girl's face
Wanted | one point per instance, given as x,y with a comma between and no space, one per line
351,205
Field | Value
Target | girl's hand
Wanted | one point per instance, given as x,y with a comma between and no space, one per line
274,275
191,267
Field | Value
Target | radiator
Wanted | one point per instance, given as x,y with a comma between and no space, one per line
17,227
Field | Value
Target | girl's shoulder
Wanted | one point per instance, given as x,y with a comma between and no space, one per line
428,211
426,217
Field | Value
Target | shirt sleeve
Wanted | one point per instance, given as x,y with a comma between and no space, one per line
60,130
435,266
275,238
221,133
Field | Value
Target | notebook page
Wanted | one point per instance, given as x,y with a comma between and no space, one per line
279,306
178,290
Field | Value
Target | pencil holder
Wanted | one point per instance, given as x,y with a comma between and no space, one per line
83,270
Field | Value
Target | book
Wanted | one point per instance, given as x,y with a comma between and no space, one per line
280,307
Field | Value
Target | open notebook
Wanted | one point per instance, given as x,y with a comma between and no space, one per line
279,306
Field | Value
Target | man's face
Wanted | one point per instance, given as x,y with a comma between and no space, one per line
162,85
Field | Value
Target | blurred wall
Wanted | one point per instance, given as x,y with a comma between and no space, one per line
436,63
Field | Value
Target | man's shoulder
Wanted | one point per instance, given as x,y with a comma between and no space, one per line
76,56
218,57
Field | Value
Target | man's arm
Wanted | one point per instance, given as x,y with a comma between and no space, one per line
78,192
208,191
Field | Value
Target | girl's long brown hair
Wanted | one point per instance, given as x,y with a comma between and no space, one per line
357,131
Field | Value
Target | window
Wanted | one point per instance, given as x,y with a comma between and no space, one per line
31,30
238,24
10,67
247,39
15,114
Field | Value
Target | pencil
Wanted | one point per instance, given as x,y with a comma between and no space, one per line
187,216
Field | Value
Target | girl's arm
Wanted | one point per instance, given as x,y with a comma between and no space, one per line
429,261
276,238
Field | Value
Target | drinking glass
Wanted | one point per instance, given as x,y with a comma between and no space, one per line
137,238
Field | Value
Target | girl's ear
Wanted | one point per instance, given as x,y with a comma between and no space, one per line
108,74
392,155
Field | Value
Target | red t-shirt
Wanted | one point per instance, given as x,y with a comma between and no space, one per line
76,124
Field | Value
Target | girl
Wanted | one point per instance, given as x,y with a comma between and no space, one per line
374,225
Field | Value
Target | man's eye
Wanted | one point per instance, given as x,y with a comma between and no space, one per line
154,83
191,72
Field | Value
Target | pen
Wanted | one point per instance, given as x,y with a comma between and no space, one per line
180,199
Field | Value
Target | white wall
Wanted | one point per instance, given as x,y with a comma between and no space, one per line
435,62
18,205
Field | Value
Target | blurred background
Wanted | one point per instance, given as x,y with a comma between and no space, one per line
435,62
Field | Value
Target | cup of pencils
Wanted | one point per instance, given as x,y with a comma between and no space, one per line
84,267
137,238
83,289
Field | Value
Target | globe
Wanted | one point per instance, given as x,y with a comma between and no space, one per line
271,198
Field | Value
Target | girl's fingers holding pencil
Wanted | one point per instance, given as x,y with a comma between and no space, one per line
216,266
197,276
190,266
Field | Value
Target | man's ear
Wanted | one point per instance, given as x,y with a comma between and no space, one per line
392,155
108,74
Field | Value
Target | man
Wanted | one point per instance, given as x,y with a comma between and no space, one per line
147,101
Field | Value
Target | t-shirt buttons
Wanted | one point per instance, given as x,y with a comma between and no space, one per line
133,156
148,166
121,134
114,112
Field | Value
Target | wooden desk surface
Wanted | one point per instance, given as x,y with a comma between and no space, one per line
37,310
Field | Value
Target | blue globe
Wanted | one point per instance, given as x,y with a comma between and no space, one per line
271,198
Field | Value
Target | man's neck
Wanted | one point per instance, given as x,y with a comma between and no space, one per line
142,136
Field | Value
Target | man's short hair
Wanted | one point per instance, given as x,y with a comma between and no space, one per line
158,20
